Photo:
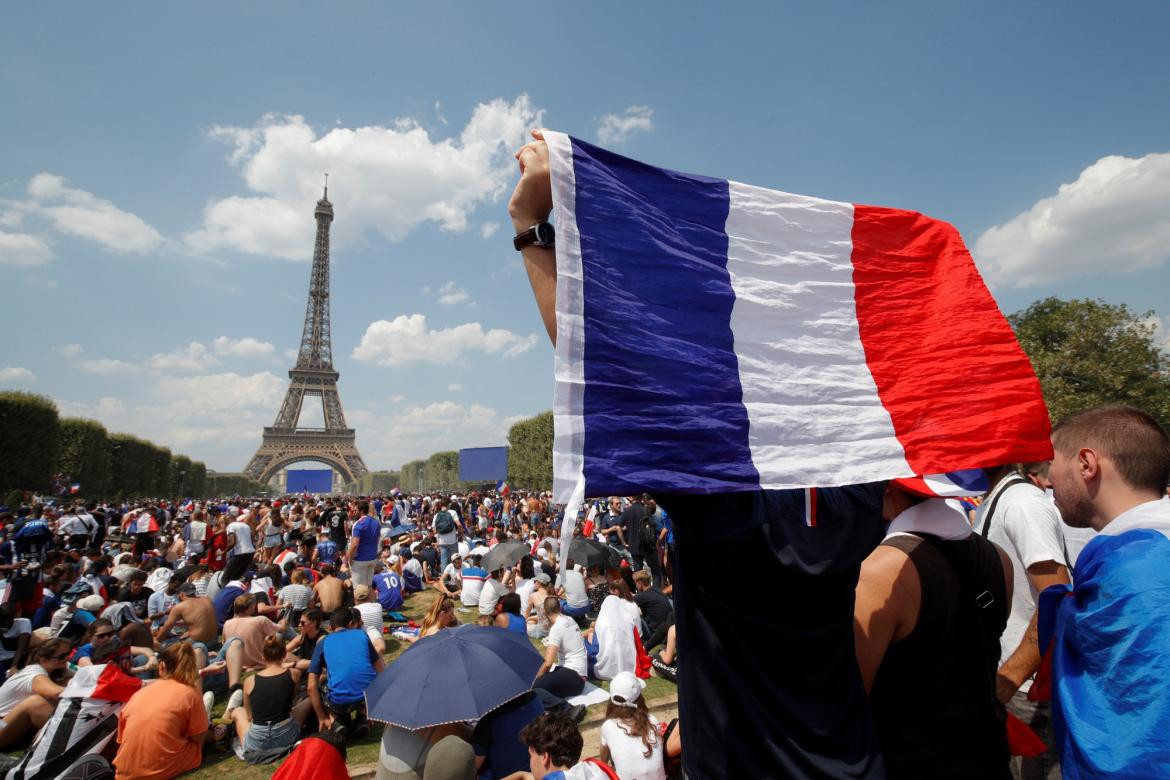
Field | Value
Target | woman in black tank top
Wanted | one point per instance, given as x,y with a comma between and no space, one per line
267,724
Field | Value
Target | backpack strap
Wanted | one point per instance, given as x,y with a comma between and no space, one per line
1008,483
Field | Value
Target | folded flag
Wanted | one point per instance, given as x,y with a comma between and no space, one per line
956,484
716,337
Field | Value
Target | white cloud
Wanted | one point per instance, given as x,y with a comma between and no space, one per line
1161,335
449,294
454,387
214,417
69,350
398,398
193,357
1114,218
246,347
407,339
83,214
390,442
488,229
24,249
386,179
616,128
16,375
107,366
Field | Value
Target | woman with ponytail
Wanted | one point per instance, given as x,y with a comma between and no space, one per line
267,724
629,736
162,728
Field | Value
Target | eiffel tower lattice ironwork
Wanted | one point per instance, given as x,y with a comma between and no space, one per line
285,442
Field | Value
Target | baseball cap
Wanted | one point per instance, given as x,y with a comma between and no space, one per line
361,592
543,578
91,603
393,559
625,688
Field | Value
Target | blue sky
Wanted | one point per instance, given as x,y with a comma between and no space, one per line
160,167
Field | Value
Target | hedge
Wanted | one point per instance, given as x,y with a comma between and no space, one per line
530,456
84,456
28,441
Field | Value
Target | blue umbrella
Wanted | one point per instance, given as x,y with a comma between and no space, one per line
458,674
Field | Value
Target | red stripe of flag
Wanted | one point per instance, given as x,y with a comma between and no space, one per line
960,391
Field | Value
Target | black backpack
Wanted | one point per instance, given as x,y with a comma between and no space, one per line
444,522
646,534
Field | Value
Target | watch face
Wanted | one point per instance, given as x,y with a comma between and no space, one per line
545,234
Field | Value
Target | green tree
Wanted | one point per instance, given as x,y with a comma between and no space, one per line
1088,352
530,456
442,471
28,441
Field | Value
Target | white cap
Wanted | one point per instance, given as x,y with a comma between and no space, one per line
625,688
392,560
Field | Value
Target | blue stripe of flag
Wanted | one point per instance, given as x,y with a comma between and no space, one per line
657,324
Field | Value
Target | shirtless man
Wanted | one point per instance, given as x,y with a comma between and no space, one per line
329,592
195,613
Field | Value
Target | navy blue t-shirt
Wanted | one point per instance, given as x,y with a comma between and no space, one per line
497,735
223,604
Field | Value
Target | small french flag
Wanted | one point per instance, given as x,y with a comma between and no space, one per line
502,487
75,488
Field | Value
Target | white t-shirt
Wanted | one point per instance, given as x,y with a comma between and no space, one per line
371,616
524,590
493,589
1028,527
472,587
565,635
414,567
243,533
575,592
20,626
628,753
18,687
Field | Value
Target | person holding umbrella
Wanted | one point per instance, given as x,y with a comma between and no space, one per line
501,580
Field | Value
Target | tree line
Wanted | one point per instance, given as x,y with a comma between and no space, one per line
45,453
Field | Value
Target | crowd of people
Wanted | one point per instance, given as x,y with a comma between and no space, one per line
284,610
143,615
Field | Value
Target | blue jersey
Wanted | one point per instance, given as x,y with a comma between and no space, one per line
389,587
349,656
326,550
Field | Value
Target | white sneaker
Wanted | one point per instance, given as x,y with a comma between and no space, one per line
235,700
208,703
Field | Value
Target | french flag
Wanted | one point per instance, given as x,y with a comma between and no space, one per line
717,337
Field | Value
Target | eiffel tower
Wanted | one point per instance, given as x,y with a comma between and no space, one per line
285,442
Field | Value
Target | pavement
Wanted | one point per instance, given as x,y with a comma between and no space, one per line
663,709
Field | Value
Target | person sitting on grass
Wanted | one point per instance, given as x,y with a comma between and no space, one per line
508,614
161,729
665,664
554,752
300,648
268,724
28,697
250,630
451,580
365,602
629,735
352,662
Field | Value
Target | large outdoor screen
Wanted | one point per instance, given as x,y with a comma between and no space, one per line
310,481
483,464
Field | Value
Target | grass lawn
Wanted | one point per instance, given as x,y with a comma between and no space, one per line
365,751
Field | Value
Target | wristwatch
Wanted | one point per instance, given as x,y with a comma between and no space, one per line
540,234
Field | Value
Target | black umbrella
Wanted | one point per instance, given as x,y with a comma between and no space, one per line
590,552
503,555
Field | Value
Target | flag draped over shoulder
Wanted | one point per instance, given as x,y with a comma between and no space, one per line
717,337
